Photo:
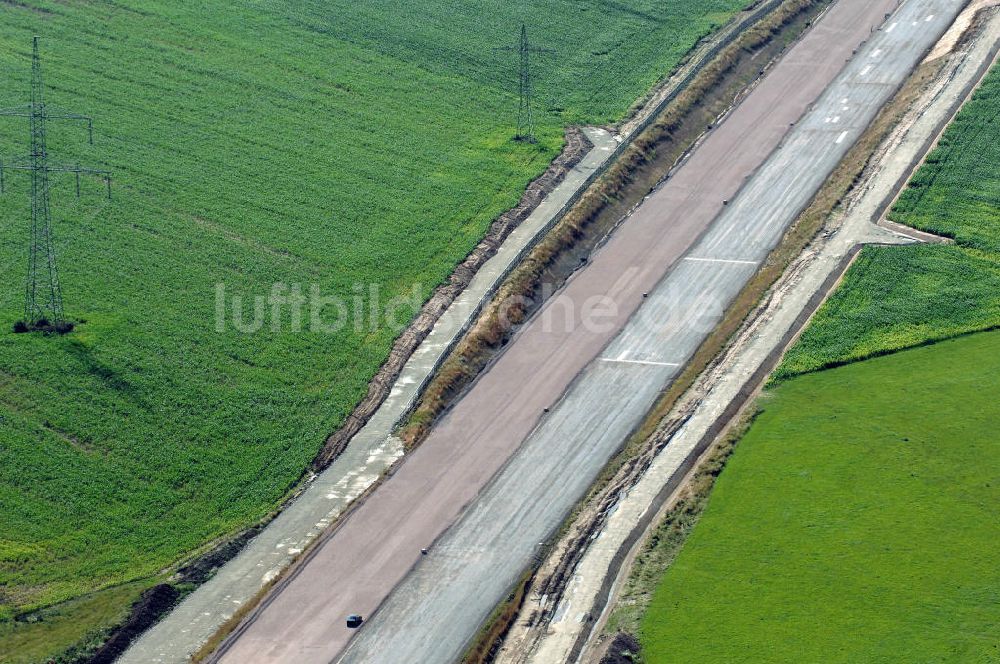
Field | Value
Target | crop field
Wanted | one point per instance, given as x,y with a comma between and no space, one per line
333,145
855,522
899,297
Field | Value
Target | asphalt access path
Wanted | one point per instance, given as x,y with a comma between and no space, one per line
691,255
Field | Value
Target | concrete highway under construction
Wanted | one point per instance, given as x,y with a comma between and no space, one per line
502,470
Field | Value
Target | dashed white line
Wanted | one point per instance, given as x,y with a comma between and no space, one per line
891,28
840,139
721,260
647,362
877,52
929,18
864,72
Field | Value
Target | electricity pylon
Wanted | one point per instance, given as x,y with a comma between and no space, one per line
525,118
43,309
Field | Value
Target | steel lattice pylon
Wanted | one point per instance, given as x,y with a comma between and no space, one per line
525,118
525,123
43,307
41,216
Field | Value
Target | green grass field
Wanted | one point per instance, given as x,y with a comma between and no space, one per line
855,522
304,142
899,297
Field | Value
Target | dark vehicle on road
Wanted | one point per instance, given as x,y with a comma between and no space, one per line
354,620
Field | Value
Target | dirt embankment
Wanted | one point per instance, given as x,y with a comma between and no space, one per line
152,604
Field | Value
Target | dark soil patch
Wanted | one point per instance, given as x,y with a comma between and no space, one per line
623,650
152,604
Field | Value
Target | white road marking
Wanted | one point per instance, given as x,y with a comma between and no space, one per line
864,72
877,52
647,362
721,260
891,28
840,139
929,18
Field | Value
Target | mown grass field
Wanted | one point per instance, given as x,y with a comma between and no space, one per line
302,142
855,522
899,297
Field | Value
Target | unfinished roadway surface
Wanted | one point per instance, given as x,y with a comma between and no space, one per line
692,255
